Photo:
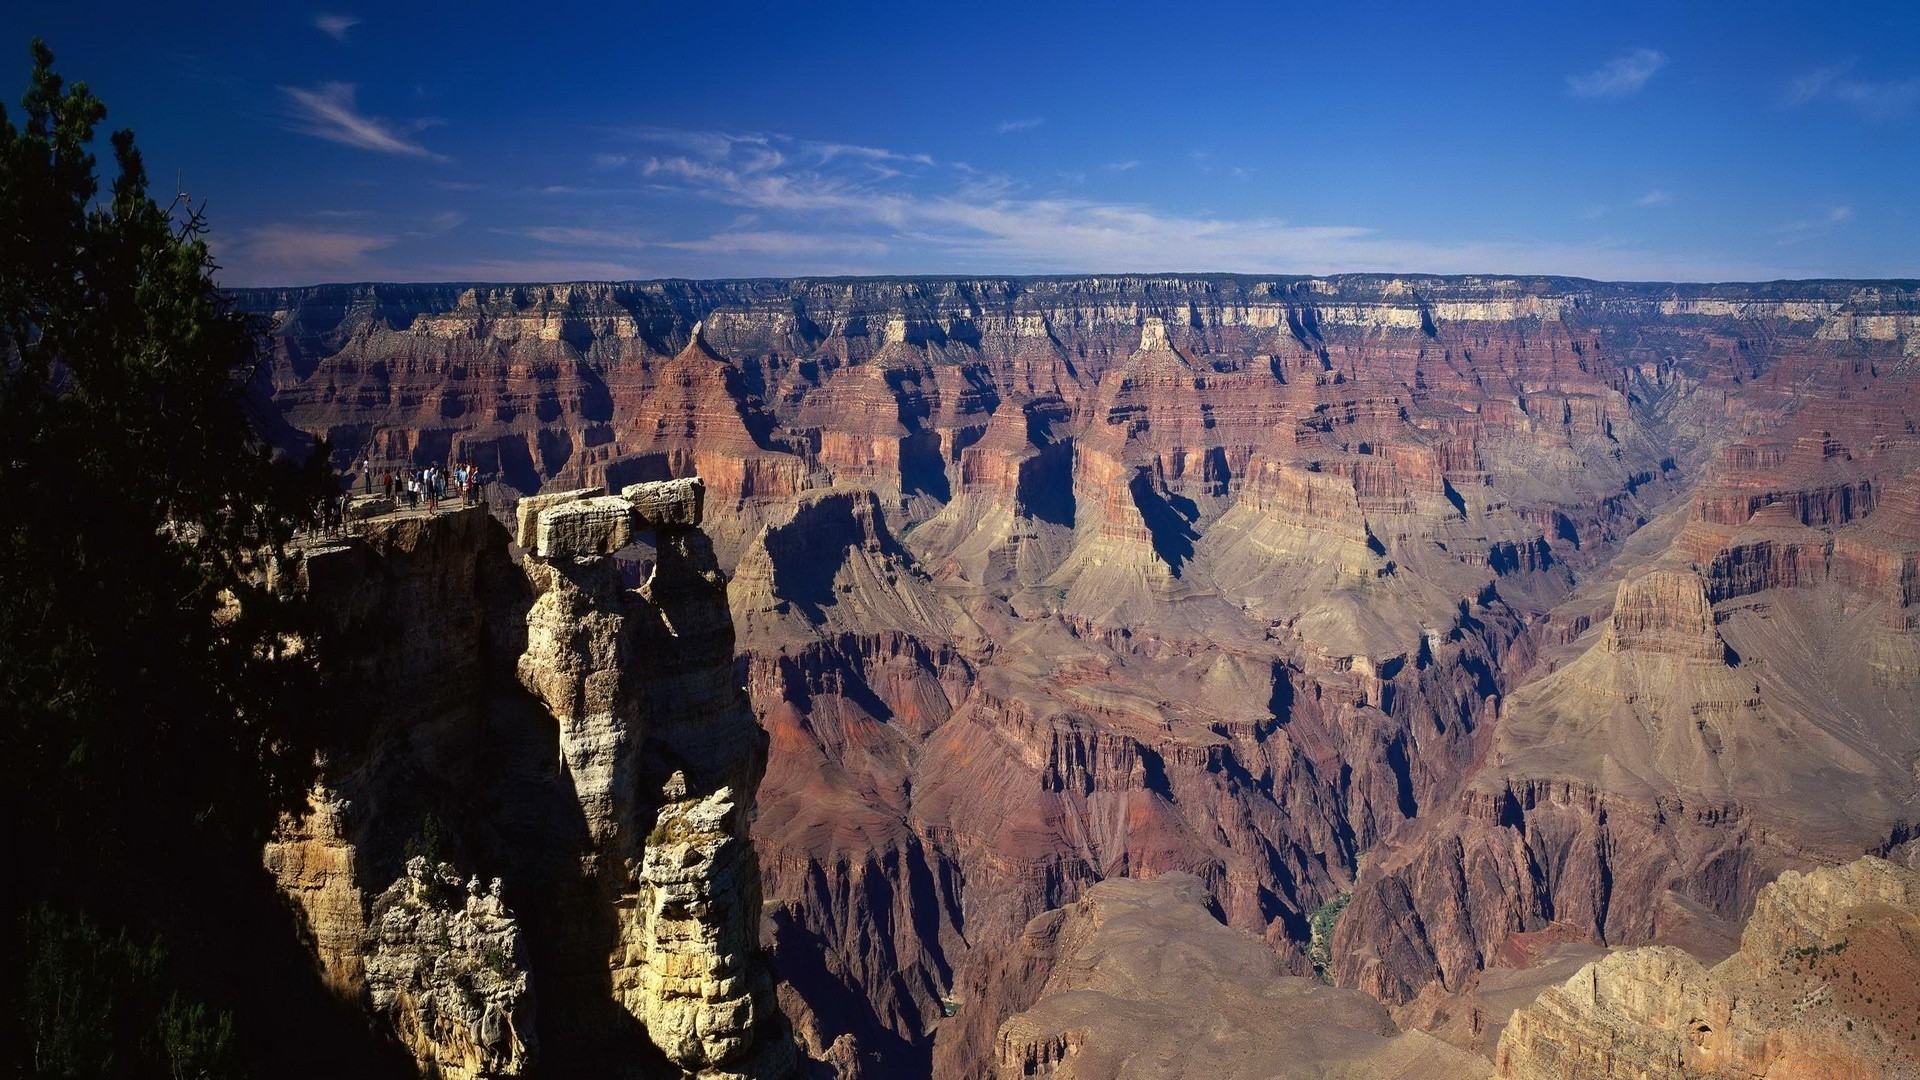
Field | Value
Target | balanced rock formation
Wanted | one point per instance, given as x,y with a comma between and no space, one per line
1824,985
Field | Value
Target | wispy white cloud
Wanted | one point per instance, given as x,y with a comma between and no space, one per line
351,245
1653,198
279,247
1121,166
1793,232
824,210
1025,123
1877,100
1805,229
609,161
781,205
335,26
579,236
1624,74
328,112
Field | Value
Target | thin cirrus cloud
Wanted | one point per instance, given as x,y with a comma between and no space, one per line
1623,75
1025,123
1654,198
801,209
278,247
328,112
1793,232
335,26
1877,100
281,251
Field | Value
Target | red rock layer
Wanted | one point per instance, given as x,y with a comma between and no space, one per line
1042,582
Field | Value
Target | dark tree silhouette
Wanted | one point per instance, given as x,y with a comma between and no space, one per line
151,721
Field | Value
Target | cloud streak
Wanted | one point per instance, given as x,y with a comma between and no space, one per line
1623,75
279,247
1878,101
335,26
804,208
1025,123
1793,232
328,112
780,205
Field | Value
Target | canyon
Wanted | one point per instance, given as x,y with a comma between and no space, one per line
1434,636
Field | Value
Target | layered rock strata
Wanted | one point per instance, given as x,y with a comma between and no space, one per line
1823,985
1744,707
580,743
1043,582
1137,979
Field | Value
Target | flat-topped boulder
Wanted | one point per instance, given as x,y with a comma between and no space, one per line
600,525
586,522
668,503
527,514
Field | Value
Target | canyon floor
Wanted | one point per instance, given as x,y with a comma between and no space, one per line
1151,652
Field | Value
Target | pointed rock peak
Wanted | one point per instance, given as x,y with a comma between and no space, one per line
697,344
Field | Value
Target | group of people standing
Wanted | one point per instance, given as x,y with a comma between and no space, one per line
408,487
430,485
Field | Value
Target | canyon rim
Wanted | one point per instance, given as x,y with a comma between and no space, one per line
753,541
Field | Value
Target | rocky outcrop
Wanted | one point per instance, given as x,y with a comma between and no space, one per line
1042,582
445,966
580,743
1137,979
1665,612
1823,985
672,742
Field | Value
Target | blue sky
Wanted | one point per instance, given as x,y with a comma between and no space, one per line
486,141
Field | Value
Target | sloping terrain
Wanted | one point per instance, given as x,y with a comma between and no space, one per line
1141,981
1823,985
1524,610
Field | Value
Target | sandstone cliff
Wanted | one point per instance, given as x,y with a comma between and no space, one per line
579,744
1823,986
1043,582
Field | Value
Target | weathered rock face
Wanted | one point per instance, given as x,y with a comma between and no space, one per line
446,967
1137,979
583,745
1823,985
1745,707
1524,588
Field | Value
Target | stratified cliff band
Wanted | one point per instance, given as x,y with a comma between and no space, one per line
1447,631
537,854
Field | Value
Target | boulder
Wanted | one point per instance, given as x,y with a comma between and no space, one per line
668,503
528,513
595,526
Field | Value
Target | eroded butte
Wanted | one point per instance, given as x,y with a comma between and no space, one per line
1538,616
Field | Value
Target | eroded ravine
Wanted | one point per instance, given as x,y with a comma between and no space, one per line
1039,583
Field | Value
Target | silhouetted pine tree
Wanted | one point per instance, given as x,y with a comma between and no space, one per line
151,723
